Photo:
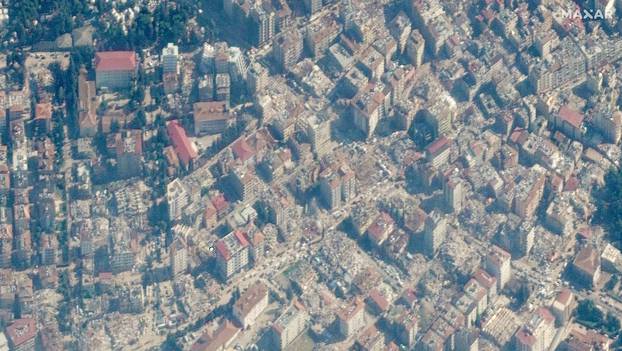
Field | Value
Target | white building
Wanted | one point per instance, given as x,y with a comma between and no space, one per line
178,256
170,59
177,197
498,265
251,303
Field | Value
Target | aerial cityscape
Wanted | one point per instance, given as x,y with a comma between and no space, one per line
367,175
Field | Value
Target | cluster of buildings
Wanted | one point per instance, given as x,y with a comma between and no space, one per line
355,174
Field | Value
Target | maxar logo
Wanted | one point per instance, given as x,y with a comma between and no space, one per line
588,14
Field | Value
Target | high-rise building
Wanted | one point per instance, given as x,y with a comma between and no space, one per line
321,34
467,340
529,192
351,318
250,304
437,153
122,259
609,124
232,253
257,77
337,186
6,245
238,66
434,24
585,266
287,49
170,59
498,265
537,334
178,256
318,132
178,199
263,25
563,306
129,151
406,327
223,88
400,28
435,230
313,6
245,183
368,108
48,248
454,193
289,325
221,58
380,229
440,120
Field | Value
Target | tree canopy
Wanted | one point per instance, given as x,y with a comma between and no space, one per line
608,200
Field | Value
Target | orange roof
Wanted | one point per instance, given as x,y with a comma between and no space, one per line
115,61
43,111
21,331
186,150
572,117
242,150
438,146
217,340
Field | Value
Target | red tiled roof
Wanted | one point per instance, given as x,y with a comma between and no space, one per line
409,296
381,227
186,150
218,339
585,232
115,61
241,238
220,203
546,315
222,250
438,146
21,331
519,136
485,279
105,276
564,296
572,184
588,260
524,337
574,118
379,300
210,212
43,111
497,255
242,150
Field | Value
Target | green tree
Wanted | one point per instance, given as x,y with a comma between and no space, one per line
612,324
608,200
170,344
140,120
588,312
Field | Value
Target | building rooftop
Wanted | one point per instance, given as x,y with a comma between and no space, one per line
21,331
115,61
231,243
250,298
352,309
185,148
218,339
